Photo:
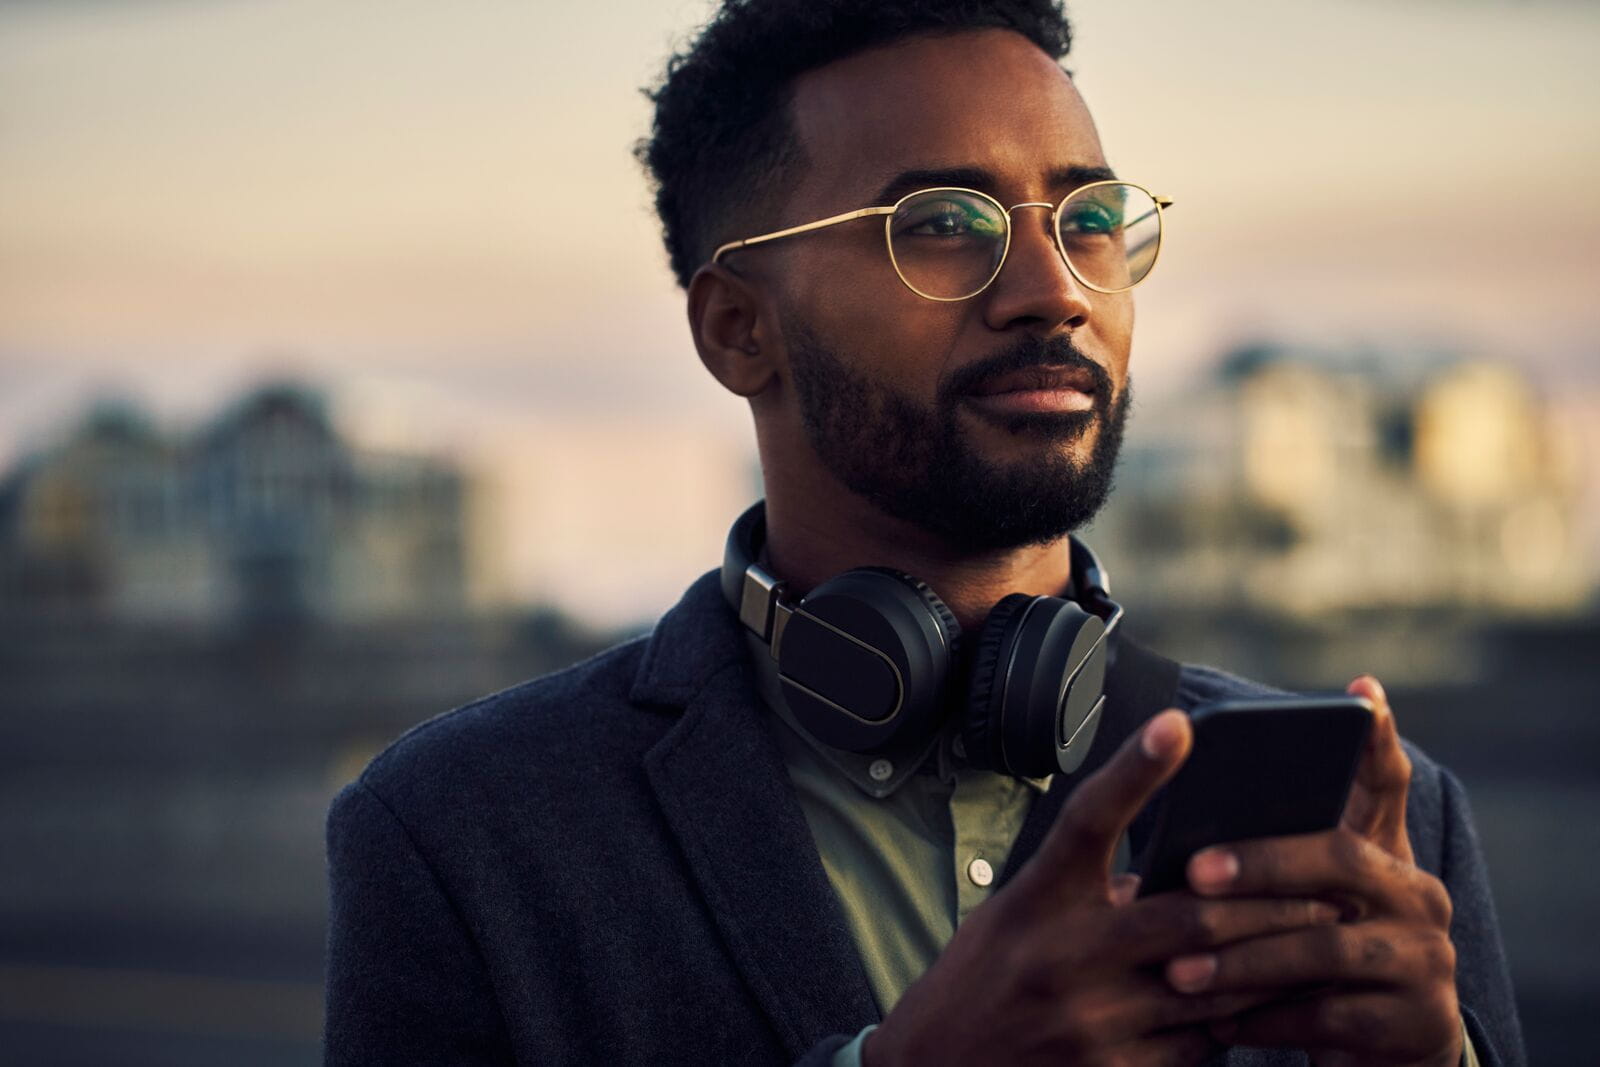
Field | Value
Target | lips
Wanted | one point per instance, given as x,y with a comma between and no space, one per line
1038,380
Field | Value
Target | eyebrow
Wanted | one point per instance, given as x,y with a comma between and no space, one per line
908,181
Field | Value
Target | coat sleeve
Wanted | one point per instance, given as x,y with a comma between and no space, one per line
1483,981
405,980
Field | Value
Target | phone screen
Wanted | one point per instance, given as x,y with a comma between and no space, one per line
1259,768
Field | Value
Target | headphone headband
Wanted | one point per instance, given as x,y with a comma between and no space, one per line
746,585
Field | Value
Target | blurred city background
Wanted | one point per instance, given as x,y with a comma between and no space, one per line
342,380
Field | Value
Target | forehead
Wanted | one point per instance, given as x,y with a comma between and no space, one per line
979,99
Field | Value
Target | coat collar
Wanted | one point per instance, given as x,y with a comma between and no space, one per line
724,791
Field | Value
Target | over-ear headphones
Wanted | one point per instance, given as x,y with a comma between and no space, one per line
869,657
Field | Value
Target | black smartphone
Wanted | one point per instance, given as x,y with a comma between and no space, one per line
1266,767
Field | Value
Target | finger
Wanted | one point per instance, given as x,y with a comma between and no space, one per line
1158,928
1337,865
1377,804
1124,889
1376,953
1076,855
1374,1027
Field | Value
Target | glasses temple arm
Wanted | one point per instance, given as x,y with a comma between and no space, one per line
832,220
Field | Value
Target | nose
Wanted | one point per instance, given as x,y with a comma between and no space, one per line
1034,287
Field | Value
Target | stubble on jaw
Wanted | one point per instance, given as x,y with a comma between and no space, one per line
919,464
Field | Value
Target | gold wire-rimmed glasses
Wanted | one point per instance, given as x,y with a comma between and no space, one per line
949,243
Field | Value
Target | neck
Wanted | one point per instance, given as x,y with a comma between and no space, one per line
807,545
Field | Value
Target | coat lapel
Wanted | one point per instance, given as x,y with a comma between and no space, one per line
725,794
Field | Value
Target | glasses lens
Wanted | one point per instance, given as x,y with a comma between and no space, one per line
947,244
1110,233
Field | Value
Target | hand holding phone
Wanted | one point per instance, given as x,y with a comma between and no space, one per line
1259,768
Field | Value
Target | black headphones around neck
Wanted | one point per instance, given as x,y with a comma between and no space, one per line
865,659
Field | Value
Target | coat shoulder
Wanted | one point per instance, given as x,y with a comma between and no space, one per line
564,727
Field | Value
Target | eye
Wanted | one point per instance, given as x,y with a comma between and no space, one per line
1090,217
947,222
947,217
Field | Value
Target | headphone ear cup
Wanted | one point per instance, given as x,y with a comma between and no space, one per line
978,733
865,658
1035,697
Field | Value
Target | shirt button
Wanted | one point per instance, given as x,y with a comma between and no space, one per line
980,872
880,770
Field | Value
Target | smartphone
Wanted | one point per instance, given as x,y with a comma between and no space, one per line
1266,767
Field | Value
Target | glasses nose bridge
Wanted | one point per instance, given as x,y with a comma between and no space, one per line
1032,203
1050,226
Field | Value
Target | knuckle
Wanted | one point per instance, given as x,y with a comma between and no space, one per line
1340,950
1444,1005
1348,849
1374,954
1440,957
1078,828
1436,900
1359,1022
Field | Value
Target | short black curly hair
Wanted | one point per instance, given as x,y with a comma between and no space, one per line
722,135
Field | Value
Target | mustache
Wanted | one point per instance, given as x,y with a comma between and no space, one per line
1027,353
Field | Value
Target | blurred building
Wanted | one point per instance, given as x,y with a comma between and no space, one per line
265,514
1307,483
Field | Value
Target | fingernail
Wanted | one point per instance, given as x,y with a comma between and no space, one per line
1213,868
1190,974
1124,888
1374,690
1162,736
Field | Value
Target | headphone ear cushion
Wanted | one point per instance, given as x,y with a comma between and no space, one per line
979,732
940,610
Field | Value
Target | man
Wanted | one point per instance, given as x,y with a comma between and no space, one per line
901,241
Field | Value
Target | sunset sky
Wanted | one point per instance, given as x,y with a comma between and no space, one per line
433,208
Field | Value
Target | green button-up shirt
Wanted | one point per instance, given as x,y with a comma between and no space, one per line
912,839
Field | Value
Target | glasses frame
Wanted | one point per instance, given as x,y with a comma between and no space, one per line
1161,203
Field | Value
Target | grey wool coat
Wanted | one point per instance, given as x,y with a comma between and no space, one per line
609,865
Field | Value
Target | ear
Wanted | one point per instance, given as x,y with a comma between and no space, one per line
733,330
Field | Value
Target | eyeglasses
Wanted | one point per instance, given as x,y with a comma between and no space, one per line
949,244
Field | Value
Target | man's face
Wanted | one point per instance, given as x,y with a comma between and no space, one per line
990,422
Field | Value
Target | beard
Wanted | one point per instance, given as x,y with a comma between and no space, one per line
918,465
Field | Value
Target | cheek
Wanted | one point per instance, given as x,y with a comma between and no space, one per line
865,315
1114,329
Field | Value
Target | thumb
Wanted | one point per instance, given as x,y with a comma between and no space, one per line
1377,806
1077,853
